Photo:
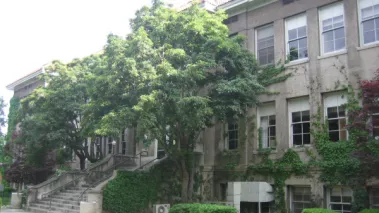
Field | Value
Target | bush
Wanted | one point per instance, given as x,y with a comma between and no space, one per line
317,210
202,208
369,211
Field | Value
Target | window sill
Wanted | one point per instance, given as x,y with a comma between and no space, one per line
368,46
297,62
328,55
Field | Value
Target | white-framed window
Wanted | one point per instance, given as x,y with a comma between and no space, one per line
265,44
267,125
332,28
296,37
300,198
232,136
299,121
374,198
340,199
335,115
369,21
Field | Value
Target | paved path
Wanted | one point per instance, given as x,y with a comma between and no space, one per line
12,211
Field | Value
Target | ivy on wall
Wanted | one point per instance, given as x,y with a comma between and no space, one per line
12,117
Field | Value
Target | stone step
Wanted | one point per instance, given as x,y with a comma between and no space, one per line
55,208
41,210
73,205
59,201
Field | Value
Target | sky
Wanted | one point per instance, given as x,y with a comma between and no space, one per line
33,33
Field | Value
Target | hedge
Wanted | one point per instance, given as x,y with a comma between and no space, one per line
369,211
201,208
317,210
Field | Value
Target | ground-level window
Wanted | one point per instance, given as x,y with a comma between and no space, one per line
340,199
232,136
374,198
301,199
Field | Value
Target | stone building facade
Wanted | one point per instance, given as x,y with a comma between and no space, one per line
328,45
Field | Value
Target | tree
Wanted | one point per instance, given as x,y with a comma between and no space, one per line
51,116
175,75
2,114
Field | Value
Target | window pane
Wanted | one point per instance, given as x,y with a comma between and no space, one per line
338,21
335,199
297,140
367,12
292,34
307,139
369,37
305,115
332,112
327,24
343,135
302,31
339,33
340,44
297,128
272,131
328,36
296,117
336,207
346,199
333,124
334,136
368,25
306,127
328,46
272,120
303,43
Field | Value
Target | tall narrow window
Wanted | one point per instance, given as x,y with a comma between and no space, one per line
265,45
296,37
369,10
268,134
301,199
110,146
340,199
232,136
335,115
336,123
299,121
300,128
332,27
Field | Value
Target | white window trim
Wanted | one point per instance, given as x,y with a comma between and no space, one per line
329,193
256,41
226,141
328,104
361,38
322,53
286,37
290,111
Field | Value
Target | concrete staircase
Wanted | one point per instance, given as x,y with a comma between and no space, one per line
65,201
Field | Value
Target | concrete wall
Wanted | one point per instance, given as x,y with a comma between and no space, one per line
312,78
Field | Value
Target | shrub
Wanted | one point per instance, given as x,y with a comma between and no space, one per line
202,208
369,211
317,210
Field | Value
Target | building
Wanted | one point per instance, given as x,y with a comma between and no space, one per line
328,44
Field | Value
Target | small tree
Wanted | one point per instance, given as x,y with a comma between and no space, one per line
51,116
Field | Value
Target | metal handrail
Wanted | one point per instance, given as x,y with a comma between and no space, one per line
112,168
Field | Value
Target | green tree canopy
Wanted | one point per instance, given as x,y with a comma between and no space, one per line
175,75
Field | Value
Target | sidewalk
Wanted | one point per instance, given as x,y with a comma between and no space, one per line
5,210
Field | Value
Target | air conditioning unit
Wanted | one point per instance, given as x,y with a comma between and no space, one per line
161,208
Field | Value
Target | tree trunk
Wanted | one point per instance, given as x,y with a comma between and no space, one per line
185,181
